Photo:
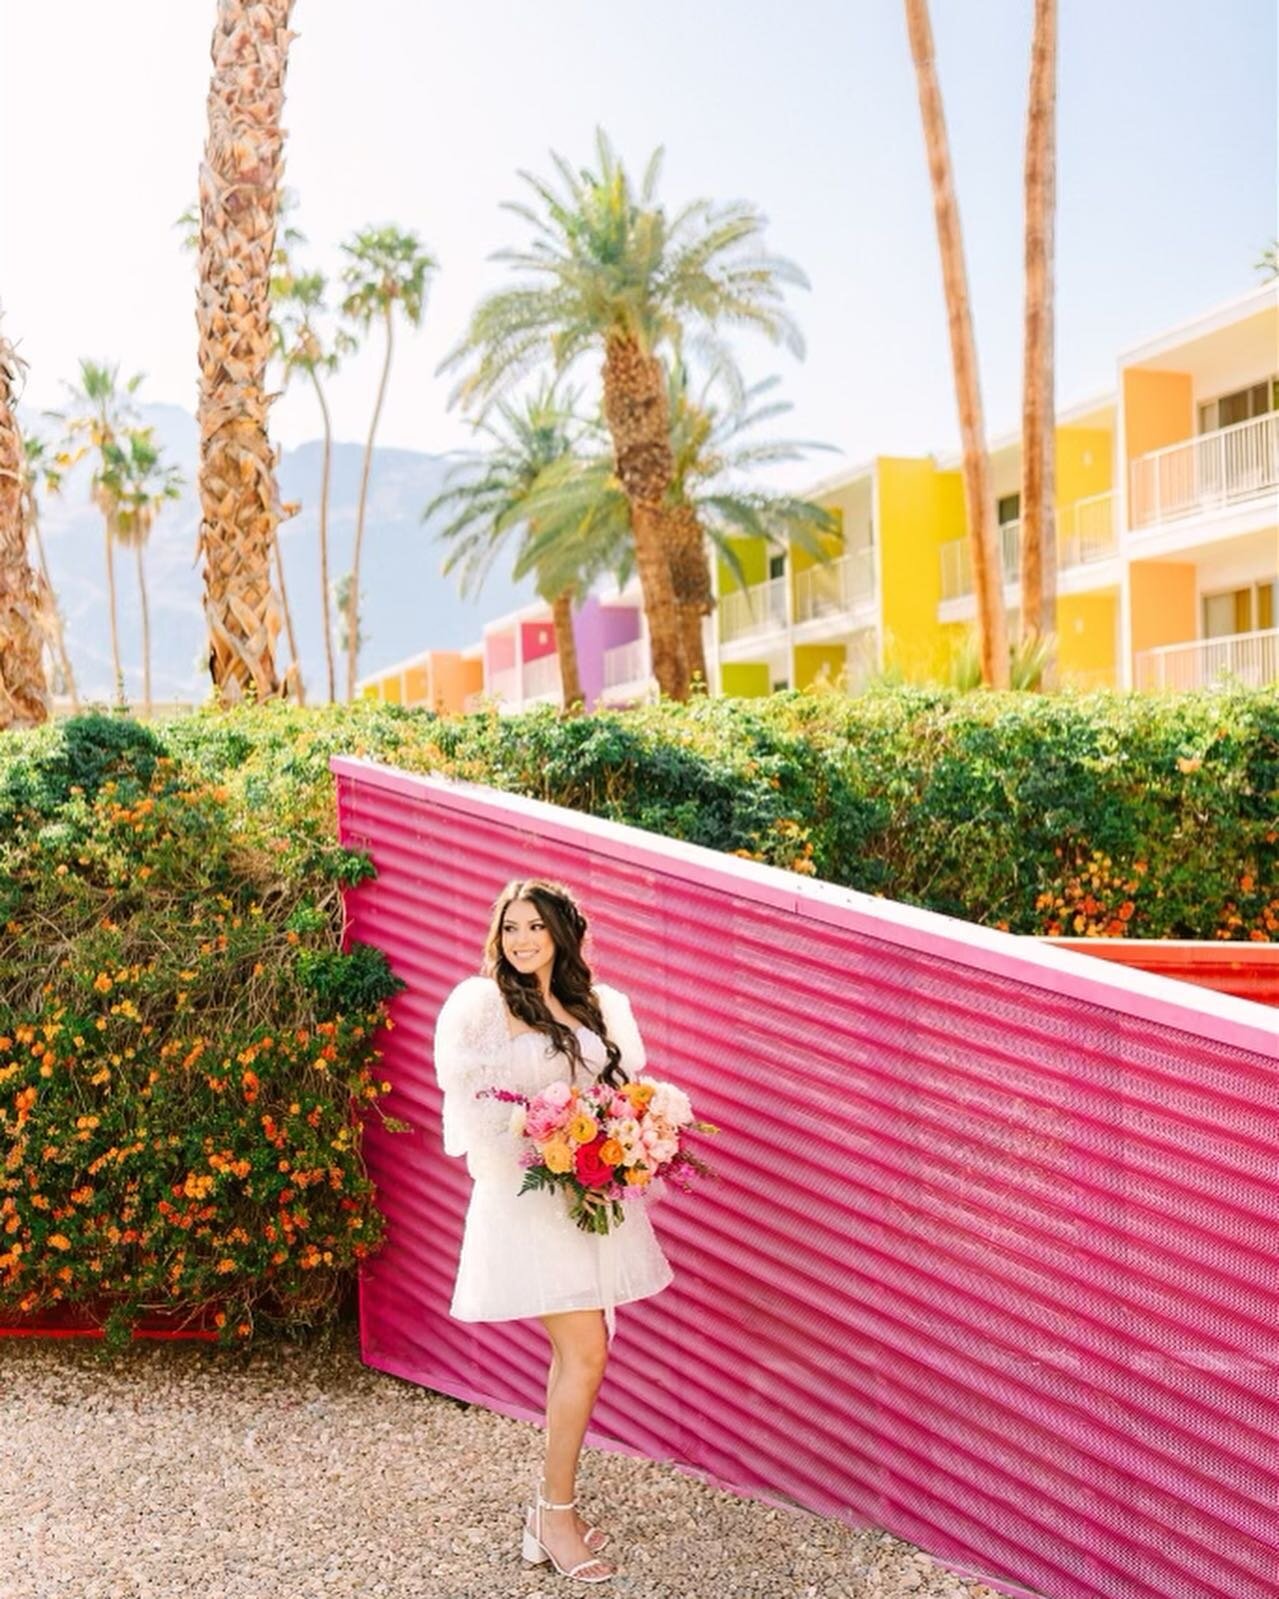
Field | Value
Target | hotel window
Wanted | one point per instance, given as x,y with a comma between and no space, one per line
776,566
1008,509
1233,610
1240,406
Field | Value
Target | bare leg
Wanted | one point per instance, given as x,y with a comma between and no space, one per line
580,1352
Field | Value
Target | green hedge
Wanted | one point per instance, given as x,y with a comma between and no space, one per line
182,1042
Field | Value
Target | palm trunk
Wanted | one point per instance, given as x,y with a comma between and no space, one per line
352,598
691,579
988,577
24,693
57,633
566,648
1038,466
295,667
239,204
635,406
146,633
115,623
326,462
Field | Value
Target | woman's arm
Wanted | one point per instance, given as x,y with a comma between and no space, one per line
465,1060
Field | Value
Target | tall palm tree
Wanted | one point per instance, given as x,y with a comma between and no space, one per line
1038,437
42,470
610,272
388,270
579,504
715,451
487,494
137,482
988,577
100,412
24,693
239,204
303,348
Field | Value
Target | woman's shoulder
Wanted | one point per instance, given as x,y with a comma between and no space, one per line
473,996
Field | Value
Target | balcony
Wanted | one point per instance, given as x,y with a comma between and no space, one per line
1248,658
1085,532
1210,472
504,685
542,679
757,609
627,663
836,588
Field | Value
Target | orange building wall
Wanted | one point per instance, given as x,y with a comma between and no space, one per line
1163,603
1158,409
1087,635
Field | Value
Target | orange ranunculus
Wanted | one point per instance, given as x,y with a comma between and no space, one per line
583,1128
557,1156
639,1094
611,1152
637,1176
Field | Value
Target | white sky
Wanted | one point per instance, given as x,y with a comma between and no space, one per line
421,114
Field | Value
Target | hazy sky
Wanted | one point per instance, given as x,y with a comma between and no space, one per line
422,113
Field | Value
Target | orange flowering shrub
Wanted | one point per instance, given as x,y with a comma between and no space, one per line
178,1090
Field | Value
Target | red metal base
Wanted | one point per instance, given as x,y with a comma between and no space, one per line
1248,971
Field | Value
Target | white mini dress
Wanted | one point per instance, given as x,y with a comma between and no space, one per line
522,1255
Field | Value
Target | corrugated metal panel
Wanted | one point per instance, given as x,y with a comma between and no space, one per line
992,1260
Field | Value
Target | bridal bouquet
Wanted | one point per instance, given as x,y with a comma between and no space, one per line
603,1145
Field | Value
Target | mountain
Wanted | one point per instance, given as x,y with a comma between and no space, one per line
407,605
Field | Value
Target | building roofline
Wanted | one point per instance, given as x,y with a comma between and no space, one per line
1222,315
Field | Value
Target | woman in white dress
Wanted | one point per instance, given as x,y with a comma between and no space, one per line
532,1018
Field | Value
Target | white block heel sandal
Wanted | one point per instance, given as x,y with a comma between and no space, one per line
535,1551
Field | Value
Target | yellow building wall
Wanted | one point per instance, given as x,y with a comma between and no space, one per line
745,679
811,658
753,554
391,688
371,691
1163,603
799,560
1085,463
1158,409
919,510
417,684
1086,633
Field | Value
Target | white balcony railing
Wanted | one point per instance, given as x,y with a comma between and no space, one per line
1216,469
542,678
835,588
1085,532
1249,658
504,685
757,609
627,663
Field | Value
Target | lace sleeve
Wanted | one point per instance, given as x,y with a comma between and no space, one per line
465,1060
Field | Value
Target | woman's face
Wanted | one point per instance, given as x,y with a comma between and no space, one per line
527,941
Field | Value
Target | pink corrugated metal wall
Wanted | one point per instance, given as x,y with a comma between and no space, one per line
993,1260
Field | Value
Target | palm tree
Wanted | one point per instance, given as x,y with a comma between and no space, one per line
611,273
1268,262
41,469
100,413
387,269
137,482
239,204
579,504
24,693
988,578
1038,439
487,493
301,346
709,495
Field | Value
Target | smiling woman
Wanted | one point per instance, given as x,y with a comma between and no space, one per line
532,1019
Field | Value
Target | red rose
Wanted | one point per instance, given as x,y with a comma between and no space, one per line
591,1170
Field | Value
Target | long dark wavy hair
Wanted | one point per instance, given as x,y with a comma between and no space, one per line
570,975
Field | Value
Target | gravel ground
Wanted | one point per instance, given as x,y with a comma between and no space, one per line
293,1471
